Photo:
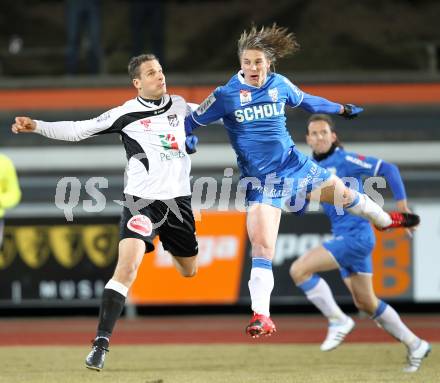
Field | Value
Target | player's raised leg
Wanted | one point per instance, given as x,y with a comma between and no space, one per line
131,251
262,225
335,192
186,266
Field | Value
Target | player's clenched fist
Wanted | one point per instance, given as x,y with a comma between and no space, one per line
23,125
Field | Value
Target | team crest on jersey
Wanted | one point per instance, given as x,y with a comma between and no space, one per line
140,224
273,93
245,97
146,124
168,141
173,120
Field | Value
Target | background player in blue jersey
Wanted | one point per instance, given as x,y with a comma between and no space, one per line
350,248
252,106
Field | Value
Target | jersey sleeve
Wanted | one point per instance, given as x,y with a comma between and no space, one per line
315,104
210,110
77,130
294,94
394,179
359,165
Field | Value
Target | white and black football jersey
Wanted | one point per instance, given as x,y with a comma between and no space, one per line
154,140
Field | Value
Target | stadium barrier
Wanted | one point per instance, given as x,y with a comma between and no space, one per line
51,263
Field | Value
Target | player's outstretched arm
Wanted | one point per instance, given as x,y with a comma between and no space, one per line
69,130
351,111
315,104
23,125
394,180
209,111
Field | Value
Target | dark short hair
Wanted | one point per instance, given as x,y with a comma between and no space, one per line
135,63
322,117
326,118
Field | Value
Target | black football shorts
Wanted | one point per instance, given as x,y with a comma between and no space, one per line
172,220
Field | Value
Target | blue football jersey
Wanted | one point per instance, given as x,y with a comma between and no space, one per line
351,168
255,121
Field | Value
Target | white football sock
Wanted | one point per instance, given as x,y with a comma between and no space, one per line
364,206
261,284
388,318
318,292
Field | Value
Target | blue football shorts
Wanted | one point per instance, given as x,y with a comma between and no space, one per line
287,188
352,251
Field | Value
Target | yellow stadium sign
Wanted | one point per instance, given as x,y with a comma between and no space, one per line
101,243
68,244
8,251
65,243
33,245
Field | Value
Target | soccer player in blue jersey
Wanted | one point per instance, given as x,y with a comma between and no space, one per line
350,248
252,107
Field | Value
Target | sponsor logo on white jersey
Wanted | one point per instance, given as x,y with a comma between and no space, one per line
168,141
140,224
170,155
203,107
146,124
273,93
258,112
103,117
245,97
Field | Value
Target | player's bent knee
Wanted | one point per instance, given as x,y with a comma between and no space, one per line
293,271
297,272
332,183
187,266
126,274
365,304
189,273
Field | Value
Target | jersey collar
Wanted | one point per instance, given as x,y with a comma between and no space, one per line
150,104
323,156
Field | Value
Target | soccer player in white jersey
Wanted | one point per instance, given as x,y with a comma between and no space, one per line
252,107
157,191
350,248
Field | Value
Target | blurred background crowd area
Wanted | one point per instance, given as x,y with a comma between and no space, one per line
37,36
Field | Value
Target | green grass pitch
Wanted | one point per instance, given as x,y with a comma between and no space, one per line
379,362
